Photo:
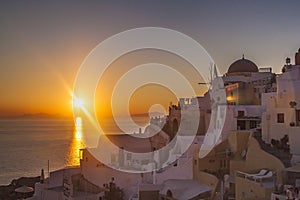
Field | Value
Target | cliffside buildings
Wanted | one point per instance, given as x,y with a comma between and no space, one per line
281,117
243,86
237,161
228,162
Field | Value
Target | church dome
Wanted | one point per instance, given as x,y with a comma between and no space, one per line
242,65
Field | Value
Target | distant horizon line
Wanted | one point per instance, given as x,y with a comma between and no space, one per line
59,115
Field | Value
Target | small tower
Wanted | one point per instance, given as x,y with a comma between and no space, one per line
297,57
42,178
288,61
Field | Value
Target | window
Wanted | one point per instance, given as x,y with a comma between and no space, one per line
253,124
129,156
81,154
176,164
223,164
241,125
280,117
297,117
241,113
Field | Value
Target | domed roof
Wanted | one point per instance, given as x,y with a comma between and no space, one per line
242,65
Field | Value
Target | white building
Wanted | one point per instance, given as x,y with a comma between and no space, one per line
67,184
88,181
97,173
236,100
282,115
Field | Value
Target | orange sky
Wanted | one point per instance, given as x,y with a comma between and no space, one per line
146,95
44,43
38,84
46,86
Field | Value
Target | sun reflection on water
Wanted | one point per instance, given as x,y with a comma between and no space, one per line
78,128
76,144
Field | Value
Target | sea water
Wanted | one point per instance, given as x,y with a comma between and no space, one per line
26,146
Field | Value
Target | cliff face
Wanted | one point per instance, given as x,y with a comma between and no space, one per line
7,192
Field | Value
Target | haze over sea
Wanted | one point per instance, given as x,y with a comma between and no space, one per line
26,145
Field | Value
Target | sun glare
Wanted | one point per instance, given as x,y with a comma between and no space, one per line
78,103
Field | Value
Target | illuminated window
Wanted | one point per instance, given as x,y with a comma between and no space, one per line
80,154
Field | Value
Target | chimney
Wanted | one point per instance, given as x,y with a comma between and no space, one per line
297,57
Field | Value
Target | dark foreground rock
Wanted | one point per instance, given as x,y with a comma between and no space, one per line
7,192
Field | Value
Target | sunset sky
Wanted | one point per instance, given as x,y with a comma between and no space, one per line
43,43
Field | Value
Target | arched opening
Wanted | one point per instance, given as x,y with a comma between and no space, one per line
169,195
